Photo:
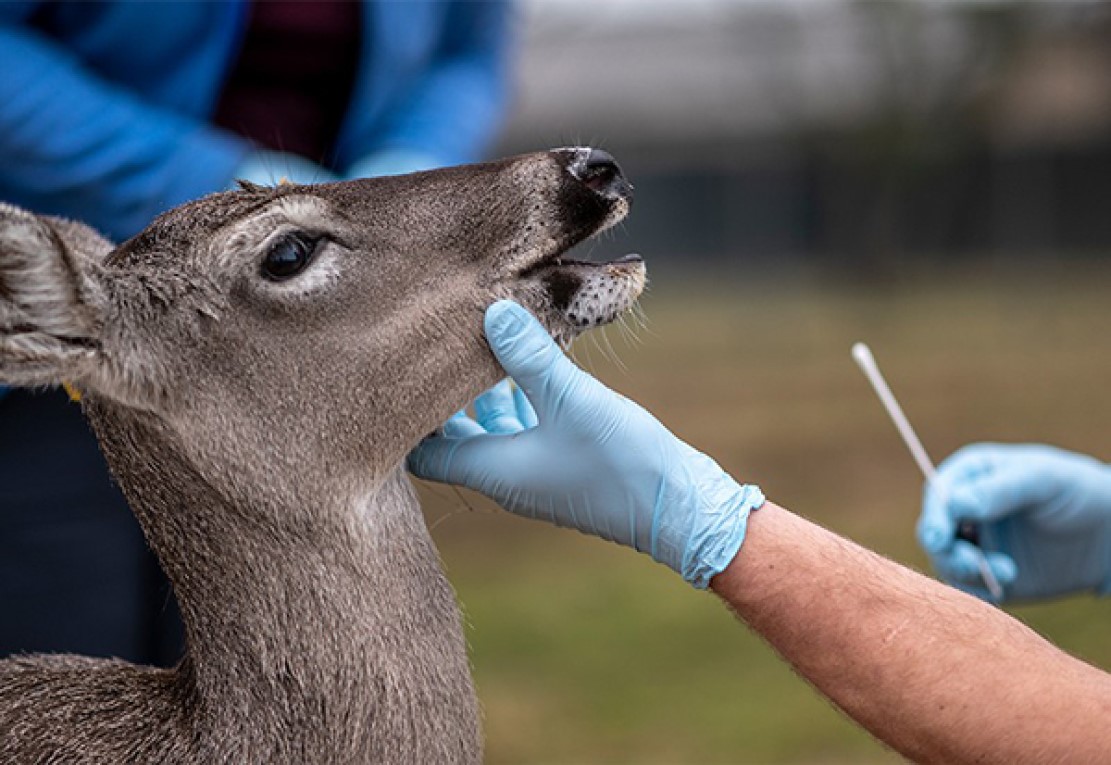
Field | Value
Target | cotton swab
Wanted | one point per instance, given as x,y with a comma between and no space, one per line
862,354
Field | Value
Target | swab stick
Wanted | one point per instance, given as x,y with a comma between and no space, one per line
862,354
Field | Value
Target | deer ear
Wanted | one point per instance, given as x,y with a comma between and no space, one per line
52,301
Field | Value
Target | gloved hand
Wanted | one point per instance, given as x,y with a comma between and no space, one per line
391,162
588,458
1044,519
267,168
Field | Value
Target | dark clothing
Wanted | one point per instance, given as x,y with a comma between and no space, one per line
106,108
75,572
291,83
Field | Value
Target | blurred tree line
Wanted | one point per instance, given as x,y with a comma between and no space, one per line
939,166
897,129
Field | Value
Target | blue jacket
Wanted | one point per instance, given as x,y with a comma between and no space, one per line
104,107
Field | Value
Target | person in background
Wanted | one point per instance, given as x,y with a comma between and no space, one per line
936,674
113,112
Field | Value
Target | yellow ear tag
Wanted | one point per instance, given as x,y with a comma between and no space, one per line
74,393
283,181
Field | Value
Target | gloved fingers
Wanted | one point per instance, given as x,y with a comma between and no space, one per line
463,461
1012,486
391,162
979,482
937,525
961,565
530,356
973,459
496,410
936,529
1004,568
525,413
459,425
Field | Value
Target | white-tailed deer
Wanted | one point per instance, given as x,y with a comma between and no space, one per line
257,364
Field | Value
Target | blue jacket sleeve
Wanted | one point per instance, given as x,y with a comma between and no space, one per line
72,144
455,109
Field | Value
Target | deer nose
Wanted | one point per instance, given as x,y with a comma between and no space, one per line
598,171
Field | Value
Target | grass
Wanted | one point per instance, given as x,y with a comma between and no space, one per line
588,653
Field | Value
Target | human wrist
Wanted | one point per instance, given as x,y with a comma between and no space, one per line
747,570
718,510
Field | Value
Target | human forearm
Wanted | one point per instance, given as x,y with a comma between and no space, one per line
74,144
934,673
452,112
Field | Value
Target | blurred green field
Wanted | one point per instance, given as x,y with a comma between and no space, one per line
587,653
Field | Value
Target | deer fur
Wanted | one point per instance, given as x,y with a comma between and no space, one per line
259,430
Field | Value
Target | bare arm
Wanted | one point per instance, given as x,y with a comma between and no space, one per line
934,673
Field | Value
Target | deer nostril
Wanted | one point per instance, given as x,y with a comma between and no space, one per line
598,171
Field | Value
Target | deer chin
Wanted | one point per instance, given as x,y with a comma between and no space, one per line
571,296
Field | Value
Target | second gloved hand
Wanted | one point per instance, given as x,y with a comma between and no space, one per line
1043,514
588,458
265,167
391,162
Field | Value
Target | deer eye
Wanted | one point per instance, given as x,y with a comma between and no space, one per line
289,257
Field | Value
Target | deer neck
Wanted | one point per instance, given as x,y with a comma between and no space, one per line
339,636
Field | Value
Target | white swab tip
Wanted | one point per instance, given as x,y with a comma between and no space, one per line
863,354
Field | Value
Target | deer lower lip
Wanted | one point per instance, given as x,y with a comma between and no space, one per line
549,264
586,294
623,260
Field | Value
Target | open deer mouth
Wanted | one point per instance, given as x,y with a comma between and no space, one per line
585,294
571,296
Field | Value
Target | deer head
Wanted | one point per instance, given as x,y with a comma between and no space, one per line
300,334
257,364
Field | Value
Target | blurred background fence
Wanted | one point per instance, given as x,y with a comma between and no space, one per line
851,133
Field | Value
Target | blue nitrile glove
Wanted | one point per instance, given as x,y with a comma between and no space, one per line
592,459
1043,515
391,162
268,168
